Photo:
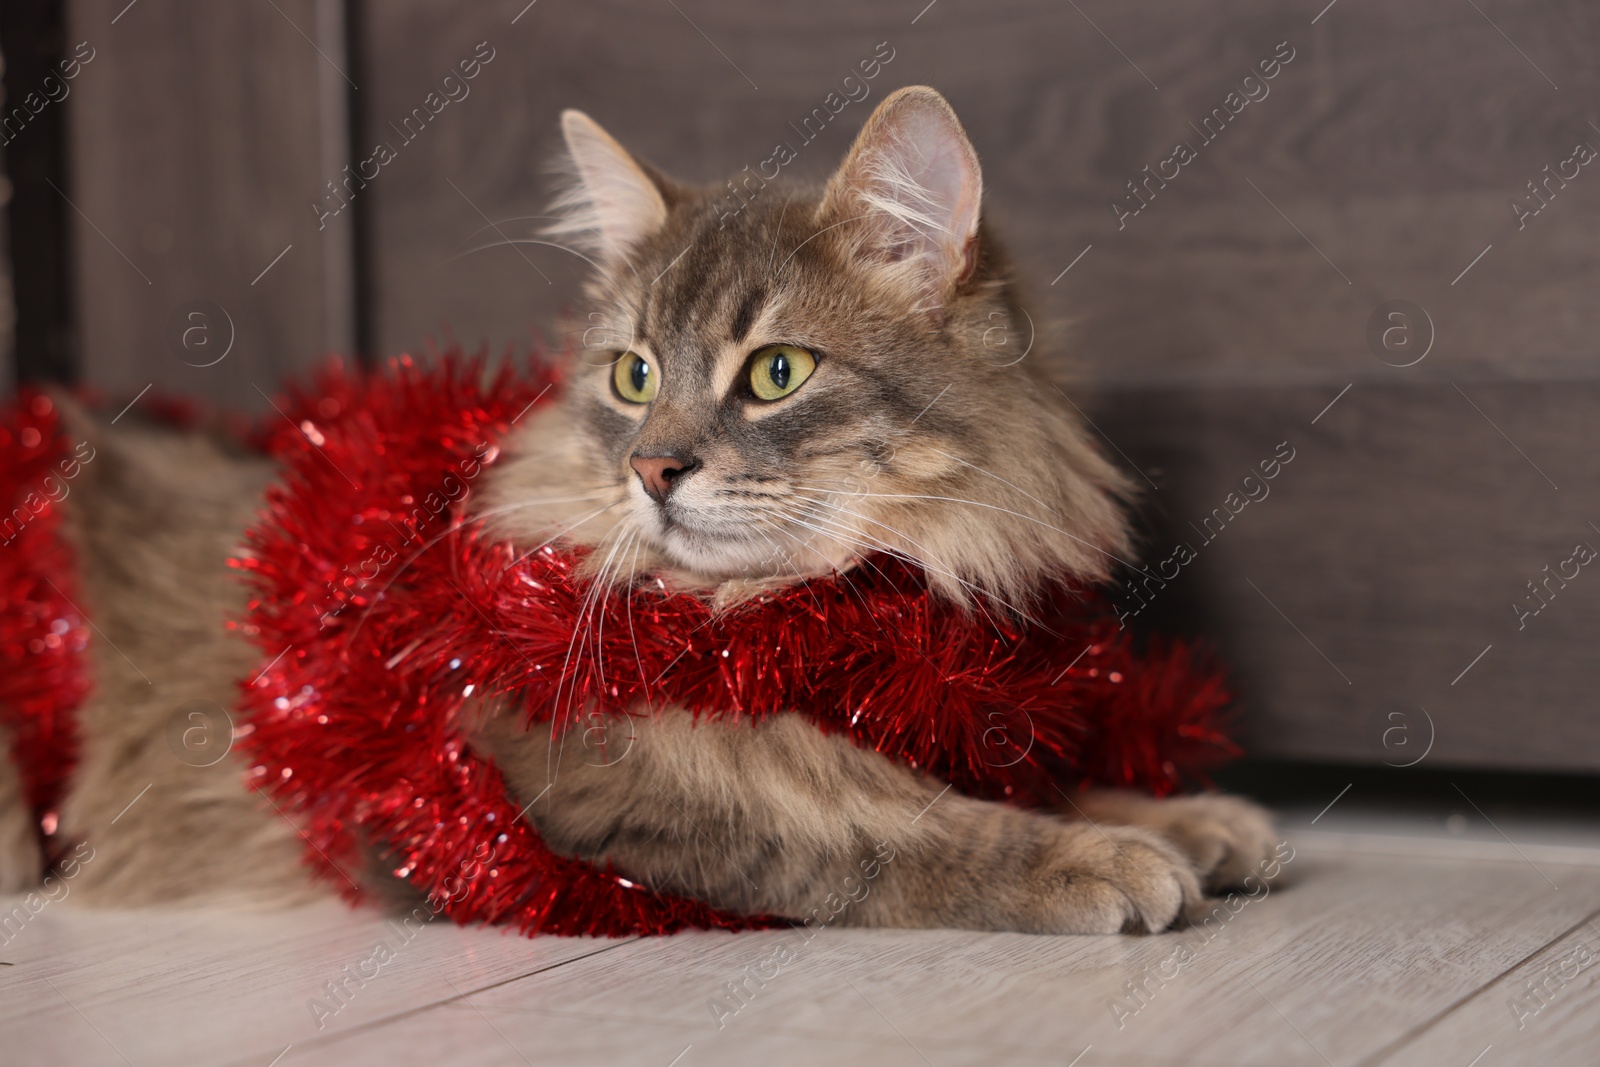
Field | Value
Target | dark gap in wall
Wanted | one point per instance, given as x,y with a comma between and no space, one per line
1416,789
361,221
33,36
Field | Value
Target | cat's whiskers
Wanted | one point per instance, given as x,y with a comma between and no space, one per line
849,582
778,519
866,561
966,463
787,561
563,531
593,606
791,568
593,595
513,241
850,537
466,519
849,534
628,548
861,538
923,556
874,545
606,584
977,504
818,511
600,597
633,636
813,237
777,230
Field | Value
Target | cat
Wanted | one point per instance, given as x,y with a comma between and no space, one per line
763,396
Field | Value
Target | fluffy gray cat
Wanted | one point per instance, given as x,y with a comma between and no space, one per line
766,395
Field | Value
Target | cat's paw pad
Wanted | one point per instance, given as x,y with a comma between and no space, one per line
1117,879
1226,838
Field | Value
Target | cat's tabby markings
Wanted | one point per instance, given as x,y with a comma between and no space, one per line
797,385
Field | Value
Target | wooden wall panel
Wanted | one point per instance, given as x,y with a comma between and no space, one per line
1208,328
1393,140
196,151
1354,598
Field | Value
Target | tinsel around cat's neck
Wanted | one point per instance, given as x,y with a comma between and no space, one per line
383,620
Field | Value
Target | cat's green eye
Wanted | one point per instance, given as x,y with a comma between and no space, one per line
635,380
778,370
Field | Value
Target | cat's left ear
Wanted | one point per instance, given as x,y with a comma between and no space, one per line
912,181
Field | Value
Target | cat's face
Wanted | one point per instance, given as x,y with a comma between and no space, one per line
752,406
781,390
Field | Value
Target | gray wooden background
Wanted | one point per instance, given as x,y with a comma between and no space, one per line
1367,602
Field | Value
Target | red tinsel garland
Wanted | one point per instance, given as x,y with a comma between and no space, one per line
381,615
42,634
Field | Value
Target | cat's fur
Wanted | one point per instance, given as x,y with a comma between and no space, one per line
914,436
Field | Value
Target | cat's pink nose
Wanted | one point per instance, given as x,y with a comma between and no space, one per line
658,474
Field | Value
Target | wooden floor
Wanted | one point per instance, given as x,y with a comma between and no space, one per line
1396,941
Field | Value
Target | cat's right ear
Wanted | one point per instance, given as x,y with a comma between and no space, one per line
611,202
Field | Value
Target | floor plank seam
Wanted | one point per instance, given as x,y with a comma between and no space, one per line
374,1024
707,1035
1388,1051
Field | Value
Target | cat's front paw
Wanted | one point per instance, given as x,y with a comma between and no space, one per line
1114,879
1227,839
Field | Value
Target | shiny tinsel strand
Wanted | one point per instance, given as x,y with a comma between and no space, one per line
359,723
